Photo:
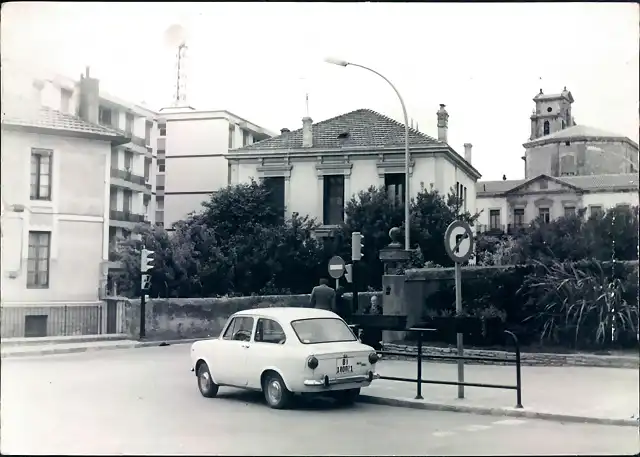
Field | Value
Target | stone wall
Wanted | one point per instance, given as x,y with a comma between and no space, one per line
527,359
184,318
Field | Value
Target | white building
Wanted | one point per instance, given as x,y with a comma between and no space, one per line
192,147
55,198
509,205
315,170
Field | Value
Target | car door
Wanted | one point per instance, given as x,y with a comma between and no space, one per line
267,350
231,354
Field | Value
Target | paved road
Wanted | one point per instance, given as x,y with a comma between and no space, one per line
145,401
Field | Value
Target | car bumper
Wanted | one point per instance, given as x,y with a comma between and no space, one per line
327,382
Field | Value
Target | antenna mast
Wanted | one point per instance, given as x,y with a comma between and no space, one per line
181,76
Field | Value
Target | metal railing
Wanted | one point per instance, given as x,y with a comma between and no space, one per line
125,216
54,320
500,228
128,176
421,357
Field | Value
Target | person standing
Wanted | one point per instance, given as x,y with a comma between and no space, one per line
323,296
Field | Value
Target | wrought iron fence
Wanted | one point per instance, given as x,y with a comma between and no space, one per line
54,320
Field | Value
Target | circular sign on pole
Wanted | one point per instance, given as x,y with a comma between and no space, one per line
336,267
458,241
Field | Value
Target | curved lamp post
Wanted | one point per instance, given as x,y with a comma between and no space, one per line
407,157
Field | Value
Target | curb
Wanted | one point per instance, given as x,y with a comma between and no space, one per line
79,349
510,412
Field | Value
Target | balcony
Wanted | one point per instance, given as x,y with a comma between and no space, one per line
129,180
125,219
502,229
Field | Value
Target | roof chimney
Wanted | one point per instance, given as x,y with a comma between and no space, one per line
284,130
307,132
443,123
89,98
467,152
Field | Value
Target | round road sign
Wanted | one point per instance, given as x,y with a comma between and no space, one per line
458,241
336,267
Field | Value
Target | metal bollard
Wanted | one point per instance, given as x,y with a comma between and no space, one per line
518,369
419,376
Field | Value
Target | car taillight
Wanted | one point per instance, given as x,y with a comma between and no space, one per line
373,358
312,363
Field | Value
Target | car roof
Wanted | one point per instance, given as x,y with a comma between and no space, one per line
289,313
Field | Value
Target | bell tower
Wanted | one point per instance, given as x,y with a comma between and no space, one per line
551,114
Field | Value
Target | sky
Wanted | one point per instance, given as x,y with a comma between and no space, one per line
485,61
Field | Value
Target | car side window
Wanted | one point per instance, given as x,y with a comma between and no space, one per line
243,328
269,331
228,334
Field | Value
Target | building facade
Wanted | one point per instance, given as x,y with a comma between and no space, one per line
568,167
315,170
191,149
55,221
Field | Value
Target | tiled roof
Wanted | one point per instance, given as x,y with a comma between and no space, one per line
47,118
577,131
589,182
365,128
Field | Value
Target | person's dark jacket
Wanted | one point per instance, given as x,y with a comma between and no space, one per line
323,297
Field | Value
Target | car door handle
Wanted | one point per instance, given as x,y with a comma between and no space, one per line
246,346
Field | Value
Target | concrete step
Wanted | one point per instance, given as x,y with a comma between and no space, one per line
48,340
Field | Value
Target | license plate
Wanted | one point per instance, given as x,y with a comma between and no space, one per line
344,366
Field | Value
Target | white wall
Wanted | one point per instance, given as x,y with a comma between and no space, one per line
75,216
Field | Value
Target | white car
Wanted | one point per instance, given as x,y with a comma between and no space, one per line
285,351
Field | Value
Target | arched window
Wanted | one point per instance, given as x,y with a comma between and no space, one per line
545,128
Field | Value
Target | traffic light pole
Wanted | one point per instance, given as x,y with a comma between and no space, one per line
143,312
354,276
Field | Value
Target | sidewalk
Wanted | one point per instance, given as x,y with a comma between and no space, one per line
571,394
52,346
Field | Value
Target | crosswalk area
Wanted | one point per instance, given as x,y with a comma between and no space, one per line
478,428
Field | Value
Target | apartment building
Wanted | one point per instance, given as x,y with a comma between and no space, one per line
132,173
55,207
191,157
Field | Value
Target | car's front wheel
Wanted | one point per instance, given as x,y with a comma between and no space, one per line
207,387
275,391
346,397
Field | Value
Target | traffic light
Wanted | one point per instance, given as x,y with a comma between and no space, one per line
146,260
357,243
348,273
145,282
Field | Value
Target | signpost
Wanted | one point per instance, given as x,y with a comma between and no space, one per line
336,268
458,242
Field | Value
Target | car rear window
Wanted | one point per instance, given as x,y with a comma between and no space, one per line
322,330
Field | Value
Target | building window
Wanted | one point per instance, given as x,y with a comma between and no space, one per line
623,207
232,133
494,219
65,100
128,160
394,185
128,125
114,158
333,200
147,169
161,165
563,125
275,186
464,198
38,260
113,198
127,197
162,128
245,137
545,128
569,211
596,211
148,125
104,116
40,174
544,214
160,203
518,217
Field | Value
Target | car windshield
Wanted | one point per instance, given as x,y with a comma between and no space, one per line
322,330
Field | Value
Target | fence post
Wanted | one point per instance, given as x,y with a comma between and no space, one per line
65,330
518,370
419,376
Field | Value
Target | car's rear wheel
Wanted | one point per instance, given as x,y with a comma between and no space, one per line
346,397
275,391
207,387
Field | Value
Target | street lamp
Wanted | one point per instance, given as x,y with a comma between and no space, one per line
407,157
